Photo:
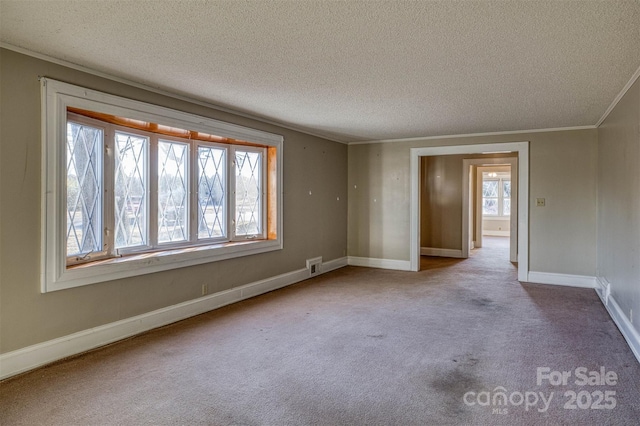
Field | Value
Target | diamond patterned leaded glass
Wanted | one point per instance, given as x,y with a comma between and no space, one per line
506,188
211,192
506,193
172,191
490,188
248,193
490,206
506,207
131,191
84,189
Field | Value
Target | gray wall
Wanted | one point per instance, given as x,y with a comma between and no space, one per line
314,225
619,202
562,169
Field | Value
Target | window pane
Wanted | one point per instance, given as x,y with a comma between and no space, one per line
248,193
490,206
506,188
506,206
490,188
131,190
172,191
211,192
84,189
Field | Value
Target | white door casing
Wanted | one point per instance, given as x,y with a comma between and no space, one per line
522,148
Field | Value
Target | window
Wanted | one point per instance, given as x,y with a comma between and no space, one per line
154,213
496,194
133,188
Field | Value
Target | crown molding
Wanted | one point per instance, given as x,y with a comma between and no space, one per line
264,120
617,99
472,135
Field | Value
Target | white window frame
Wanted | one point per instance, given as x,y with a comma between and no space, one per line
110,145
194,184
106,199
232,184
55,275
500,198
188,177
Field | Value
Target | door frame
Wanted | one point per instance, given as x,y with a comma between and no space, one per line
522,148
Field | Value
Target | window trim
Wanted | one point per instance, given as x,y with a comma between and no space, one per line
56,97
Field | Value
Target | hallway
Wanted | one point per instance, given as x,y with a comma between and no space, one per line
493,256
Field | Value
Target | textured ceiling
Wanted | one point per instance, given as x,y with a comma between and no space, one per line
355,70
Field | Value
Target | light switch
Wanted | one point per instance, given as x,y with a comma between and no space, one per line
540,202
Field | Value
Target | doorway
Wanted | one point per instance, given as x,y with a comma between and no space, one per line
472,215
521,148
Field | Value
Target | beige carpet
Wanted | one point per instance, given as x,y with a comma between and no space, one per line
353,347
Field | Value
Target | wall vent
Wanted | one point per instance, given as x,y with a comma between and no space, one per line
314,266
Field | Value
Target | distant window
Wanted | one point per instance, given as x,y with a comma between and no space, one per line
132,188
496,195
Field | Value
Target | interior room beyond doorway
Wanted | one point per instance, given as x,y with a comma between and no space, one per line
495,201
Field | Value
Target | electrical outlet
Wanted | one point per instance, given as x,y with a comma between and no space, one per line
540,202
204,289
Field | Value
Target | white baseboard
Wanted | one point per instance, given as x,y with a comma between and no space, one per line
625,326
582,281
430,251
25,359
496,233
603,288
370,262
332,265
